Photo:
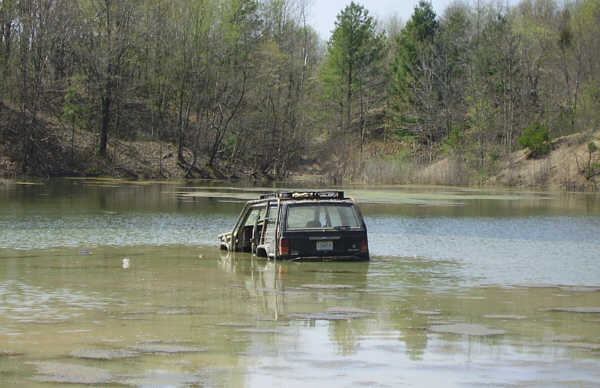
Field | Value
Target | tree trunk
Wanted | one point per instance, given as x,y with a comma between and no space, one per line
106,102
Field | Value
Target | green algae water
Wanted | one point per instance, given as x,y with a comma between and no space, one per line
113,283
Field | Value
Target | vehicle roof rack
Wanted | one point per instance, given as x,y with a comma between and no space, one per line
299,195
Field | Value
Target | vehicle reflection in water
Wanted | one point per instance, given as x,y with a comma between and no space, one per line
413,314
273,281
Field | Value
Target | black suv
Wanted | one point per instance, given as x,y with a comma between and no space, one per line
315,225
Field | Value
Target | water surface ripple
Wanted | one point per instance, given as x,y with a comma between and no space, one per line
497,237
113,283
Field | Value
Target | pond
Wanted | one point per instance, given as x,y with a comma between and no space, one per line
107,282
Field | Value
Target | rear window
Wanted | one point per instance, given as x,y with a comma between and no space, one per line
305,216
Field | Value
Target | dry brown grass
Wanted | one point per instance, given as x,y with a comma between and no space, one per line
57,153
132,159
560,170
557,171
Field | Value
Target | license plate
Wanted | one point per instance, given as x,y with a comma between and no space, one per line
324,245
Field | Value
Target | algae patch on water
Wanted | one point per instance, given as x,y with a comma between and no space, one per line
103,354
63,373
333,314
162,379
6,353
581,310
166,348
426,312
505,316
327,286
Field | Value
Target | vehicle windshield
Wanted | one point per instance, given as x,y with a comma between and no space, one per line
307,216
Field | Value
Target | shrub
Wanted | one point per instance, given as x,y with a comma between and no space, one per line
535,137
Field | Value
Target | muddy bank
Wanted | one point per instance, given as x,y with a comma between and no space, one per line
59,152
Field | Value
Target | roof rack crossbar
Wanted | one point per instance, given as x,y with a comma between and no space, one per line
297,195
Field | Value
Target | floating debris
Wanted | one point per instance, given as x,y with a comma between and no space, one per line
103,354
85,252
504,316
467,329
63,373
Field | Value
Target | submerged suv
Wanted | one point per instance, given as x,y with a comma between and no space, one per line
316,225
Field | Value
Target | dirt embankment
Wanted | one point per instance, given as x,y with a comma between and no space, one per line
50,149
571,165
58,151
78,156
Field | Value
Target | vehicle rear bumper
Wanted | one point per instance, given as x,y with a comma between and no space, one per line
324,258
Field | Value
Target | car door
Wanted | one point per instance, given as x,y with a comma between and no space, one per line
270,230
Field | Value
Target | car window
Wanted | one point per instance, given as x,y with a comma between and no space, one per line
303,216
253,215
272,218
272,213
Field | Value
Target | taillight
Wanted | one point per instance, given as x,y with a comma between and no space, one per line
284,247
364,246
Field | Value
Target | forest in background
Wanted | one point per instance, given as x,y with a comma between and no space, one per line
247,88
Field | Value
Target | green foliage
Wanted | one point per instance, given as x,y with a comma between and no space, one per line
590,168
75,109
414,43
248,82
403,157
536,138
454,143
355,50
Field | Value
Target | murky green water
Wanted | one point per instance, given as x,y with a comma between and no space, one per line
113,283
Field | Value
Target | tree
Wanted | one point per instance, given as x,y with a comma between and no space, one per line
228,76
106,51
415,77
351,74
452,61
38,32
278,102
7,32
